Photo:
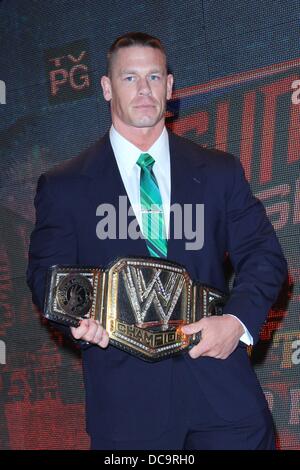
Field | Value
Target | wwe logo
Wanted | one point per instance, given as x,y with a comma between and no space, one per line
142,295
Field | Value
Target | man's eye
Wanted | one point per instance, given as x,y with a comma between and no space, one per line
154,77
130,78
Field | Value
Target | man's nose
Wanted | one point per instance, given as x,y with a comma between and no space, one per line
144,87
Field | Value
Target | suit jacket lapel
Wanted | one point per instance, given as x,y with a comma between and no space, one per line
106,187
187,188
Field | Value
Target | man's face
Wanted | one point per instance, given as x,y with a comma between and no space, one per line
138,87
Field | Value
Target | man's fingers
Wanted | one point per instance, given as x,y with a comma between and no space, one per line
192,328
219,336
98,334
101,337
80,330
90,335
103,343
91,331
200,349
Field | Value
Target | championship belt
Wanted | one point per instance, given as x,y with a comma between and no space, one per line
141,302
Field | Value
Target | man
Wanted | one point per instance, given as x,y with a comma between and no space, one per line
208,398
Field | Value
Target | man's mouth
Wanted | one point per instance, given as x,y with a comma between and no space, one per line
144,106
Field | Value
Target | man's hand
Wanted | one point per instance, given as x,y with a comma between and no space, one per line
219,336
91,331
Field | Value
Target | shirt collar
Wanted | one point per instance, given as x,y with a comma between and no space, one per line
127,154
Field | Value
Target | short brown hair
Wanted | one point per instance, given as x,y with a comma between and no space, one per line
133,39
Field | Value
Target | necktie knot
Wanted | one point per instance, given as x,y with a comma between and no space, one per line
145,161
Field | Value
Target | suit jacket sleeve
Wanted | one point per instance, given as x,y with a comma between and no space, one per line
53,241
255,253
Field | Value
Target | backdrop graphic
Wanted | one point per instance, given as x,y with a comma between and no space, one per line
236,66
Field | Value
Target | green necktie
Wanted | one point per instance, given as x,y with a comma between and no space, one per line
152,208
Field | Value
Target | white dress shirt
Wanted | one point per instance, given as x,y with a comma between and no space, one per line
126,155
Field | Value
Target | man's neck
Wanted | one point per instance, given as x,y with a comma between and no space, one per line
143,137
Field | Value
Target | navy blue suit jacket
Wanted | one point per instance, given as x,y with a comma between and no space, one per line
123,393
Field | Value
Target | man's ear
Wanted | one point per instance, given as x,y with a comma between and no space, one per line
106,87
170,80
